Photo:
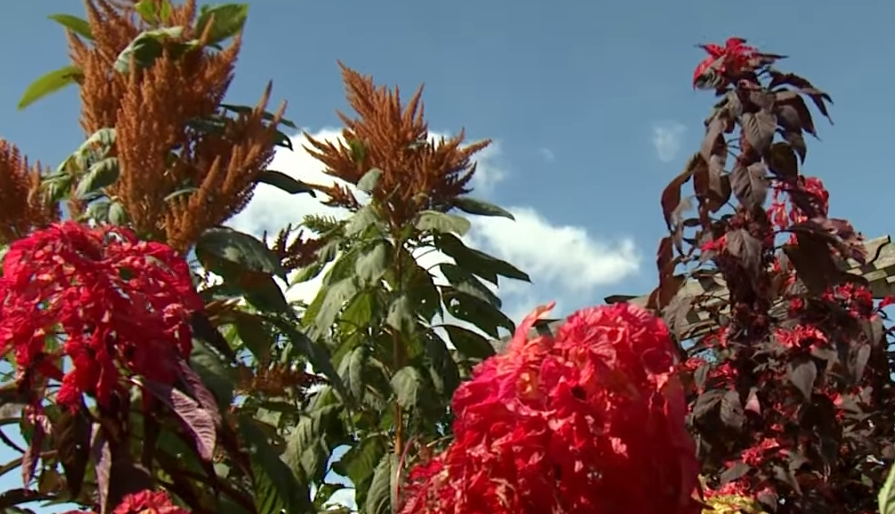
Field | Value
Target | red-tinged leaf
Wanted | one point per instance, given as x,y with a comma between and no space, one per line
713,132
32,453
710,184
814,265
793,114
665,257
116,473
742,245
759,128
706,402
197,420
12,498
802,373
71,435
734,472
782,161
671,196
197,389
750,185
805,87
858,363
732,410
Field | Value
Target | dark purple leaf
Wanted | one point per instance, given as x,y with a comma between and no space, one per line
759,128
861,356
750,185
117,475
782,160
32,453
734,472
746,248
199,421
732,409
803,373
71,436
706,402
197,390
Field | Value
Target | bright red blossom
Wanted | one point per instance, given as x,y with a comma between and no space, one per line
112,300
583,423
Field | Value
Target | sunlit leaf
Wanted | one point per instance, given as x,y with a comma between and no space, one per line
226,20
49,83
480,208
79,26
441,222
275,487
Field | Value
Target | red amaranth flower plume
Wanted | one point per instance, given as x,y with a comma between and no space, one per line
727,64
148,502
111,300
583,423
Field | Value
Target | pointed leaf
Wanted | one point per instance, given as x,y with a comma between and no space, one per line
145,48
759,128
77,25
197,420
254,335
401,316
802,374
440,222
469,343
317,354
361,460
750,185
407,384
477,262
381,492
368,182
32,453
225,20
351,370
331,301
71,436
480,313
275,487
732,409
285,183
372,264
238,248
360,220
194,385
101,174
464,281
480,208
886,498
49,83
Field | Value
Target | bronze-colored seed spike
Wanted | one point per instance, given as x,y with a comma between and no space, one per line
23,207
418,173
152,109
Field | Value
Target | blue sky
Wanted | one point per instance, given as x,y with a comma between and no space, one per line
575,93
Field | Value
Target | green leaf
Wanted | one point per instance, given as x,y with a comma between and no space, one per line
148,11
101,174
371,266
238,248
117,215
480,208
307,450
245,109
368,182
401,316
284,182
275,487
360,220
482,314
351,370
464,281
361,460
146,48
214,373
333,298
254,335
469,343
441,222
180,192
226,21
50,83
77,25
381,496
886,498
476,262
442,368
317,354
407,384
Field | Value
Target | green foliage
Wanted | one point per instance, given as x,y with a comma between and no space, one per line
49,83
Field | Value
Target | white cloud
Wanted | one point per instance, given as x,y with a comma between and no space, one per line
566,262
667,139
547,154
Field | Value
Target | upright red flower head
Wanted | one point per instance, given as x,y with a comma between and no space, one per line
723,63
112,301
589,422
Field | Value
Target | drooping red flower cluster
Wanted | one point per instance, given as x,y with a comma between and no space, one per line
144,502
591,421
111,301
